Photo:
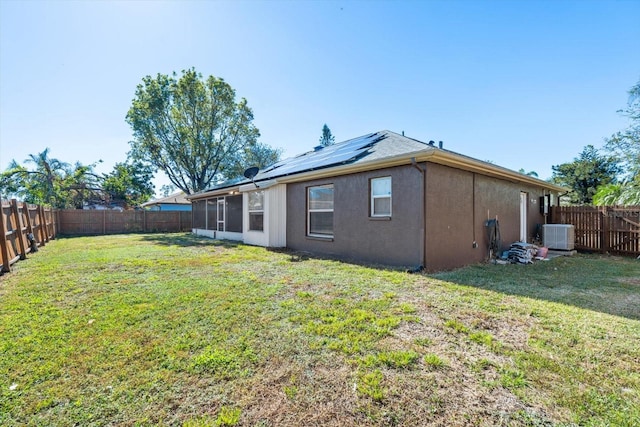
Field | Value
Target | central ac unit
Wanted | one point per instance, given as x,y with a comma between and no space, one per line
559,236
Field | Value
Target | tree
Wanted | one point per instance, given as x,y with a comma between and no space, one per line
327,138
585,174
530,173
625,147
50,181
260,155
167,189
129,183
192,129
60,185
617,194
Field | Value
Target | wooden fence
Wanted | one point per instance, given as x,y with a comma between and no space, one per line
611,229
23,228
78,222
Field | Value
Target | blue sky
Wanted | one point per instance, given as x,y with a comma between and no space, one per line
524,84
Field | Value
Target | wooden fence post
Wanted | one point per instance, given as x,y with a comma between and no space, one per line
55,220
17,226
4,251
44,234
29,226
605,221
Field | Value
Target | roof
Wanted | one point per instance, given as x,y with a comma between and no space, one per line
178,198
367,152
369,147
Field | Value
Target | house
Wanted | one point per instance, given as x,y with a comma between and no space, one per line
174,202
382,198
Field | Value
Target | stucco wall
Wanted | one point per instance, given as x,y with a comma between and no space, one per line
458,205
449,223
357,236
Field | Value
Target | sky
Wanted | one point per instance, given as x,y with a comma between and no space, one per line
523,84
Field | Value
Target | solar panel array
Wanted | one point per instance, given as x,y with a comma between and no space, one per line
332,155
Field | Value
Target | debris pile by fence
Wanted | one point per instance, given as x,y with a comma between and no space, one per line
522,253
23,228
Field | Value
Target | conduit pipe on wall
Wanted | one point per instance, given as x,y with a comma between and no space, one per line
423,209
473,213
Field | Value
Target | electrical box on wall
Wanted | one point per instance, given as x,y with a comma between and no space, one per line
545,203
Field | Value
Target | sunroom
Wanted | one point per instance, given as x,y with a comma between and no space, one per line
253,214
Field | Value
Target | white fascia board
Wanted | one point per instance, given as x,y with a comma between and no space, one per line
433,155
258,185
214,193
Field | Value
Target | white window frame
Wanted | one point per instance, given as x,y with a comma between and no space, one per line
310,211
375,197
256,211
221,214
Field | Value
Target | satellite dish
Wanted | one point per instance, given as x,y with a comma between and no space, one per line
251,173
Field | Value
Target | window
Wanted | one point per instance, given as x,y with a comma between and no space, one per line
199,217
233,220
256,210
320,211
212,214
221,214
381,196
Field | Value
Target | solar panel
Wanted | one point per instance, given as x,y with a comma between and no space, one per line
327,156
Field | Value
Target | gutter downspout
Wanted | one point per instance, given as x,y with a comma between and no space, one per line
423,211
562,195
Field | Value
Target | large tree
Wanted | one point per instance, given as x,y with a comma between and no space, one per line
326,138
625,146
585,174
192,129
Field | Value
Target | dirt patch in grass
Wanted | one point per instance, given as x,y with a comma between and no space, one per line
294,393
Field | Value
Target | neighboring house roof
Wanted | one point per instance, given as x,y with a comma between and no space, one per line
371,151
178,198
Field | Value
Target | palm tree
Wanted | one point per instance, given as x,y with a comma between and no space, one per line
624,194
50,171
50,181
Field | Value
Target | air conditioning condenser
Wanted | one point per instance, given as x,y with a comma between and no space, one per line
559,236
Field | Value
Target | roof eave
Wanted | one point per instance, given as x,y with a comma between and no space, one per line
439,156
448,158
435,155
215,192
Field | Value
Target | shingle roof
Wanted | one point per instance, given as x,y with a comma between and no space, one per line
173,199
371,149
368,147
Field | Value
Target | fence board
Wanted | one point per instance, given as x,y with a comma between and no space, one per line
17,222
95,222
612,229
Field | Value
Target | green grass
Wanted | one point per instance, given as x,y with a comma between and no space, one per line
179,330
433,361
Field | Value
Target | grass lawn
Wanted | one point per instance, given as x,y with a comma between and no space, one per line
174,329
